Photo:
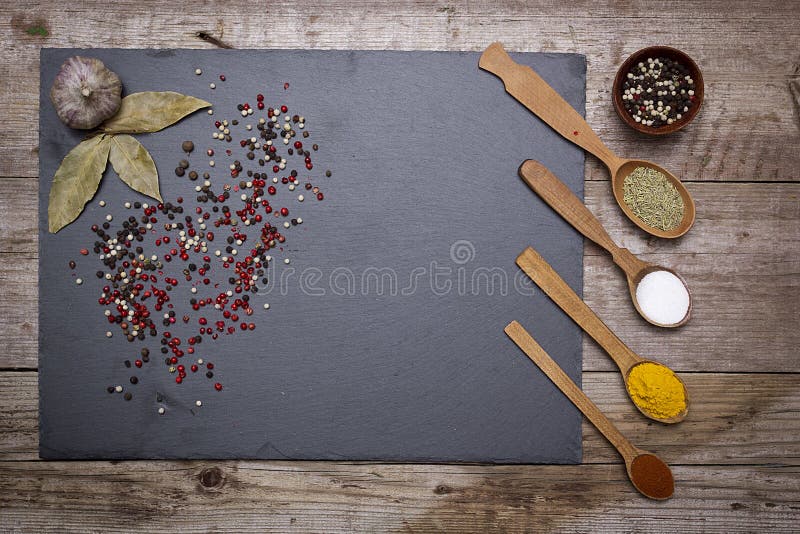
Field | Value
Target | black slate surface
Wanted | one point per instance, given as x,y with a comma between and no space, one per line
424,149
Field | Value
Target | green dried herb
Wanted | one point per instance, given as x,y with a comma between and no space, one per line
134,165
78,177
653,198
76,181
151,111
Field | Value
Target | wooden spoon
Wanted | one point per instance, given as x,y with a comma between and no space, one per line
557,289
648,473
534,93
564,201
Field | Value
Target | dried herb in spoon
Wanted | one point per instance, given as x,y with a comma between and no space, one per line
653,198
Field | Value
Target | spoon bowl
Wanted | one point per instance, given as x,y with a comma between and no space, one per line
677,418
538,96
650,475
559,197
646,471
633,284
620,172
559,291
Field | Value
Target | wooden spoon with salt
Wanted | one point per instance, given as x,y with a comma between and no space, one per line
559,197
534,93
648,473
557,289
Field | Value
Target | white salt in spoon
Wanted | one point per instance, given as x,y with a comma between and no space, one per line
659,294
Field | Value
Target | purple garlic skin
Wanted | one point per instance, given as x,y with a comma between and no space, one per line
85,92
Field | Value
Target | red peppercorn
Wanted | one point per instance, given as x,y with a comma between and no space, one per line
218,386
260,97
222,77
284,211
271,190
284,109
260,105
320,196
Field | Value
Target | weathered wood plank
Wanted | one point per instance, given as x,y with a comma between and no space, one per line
741,261
746,293
746,130
19,415
734,419
743,320
330,497
731,219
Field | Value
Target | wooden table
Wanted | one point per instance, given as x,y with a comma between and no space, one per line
736,458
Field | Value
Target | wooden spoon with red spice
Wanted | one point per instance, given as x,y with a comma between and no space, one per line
648,473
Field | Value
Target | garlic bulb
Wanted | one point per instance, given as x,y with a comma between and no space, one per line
85,92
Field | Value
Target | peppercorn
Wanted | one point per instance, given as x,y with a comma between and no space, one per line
657,92
187,146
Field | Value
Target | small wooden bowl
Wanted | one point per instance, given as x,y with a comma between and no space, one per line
656,52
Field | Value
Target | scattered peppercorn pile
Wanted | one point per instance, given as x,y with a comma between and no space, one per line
162,265
658,92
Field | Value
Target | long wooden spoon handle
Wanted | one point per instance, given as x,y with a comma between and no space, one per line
561,198
557,289
534,93
557,375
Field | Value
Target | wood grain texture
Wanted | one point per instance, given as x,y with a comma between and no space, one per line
747,129
339,497
740,258
735,419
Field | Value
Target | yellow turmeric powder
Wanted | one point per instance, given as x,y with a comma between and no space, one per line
656,390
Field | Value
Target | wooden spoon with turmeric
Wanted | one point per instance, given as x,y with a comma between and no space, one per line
655,390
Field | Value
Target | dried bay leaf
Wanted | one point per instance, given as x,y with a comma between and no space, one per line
151,111
134,165
76,181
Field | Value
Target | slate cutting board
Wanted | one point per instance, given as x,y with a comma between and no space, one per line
424,149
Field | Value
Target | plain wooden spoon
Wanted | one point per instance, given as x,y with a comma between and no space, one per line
559,197
557,289
534,93
656,482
